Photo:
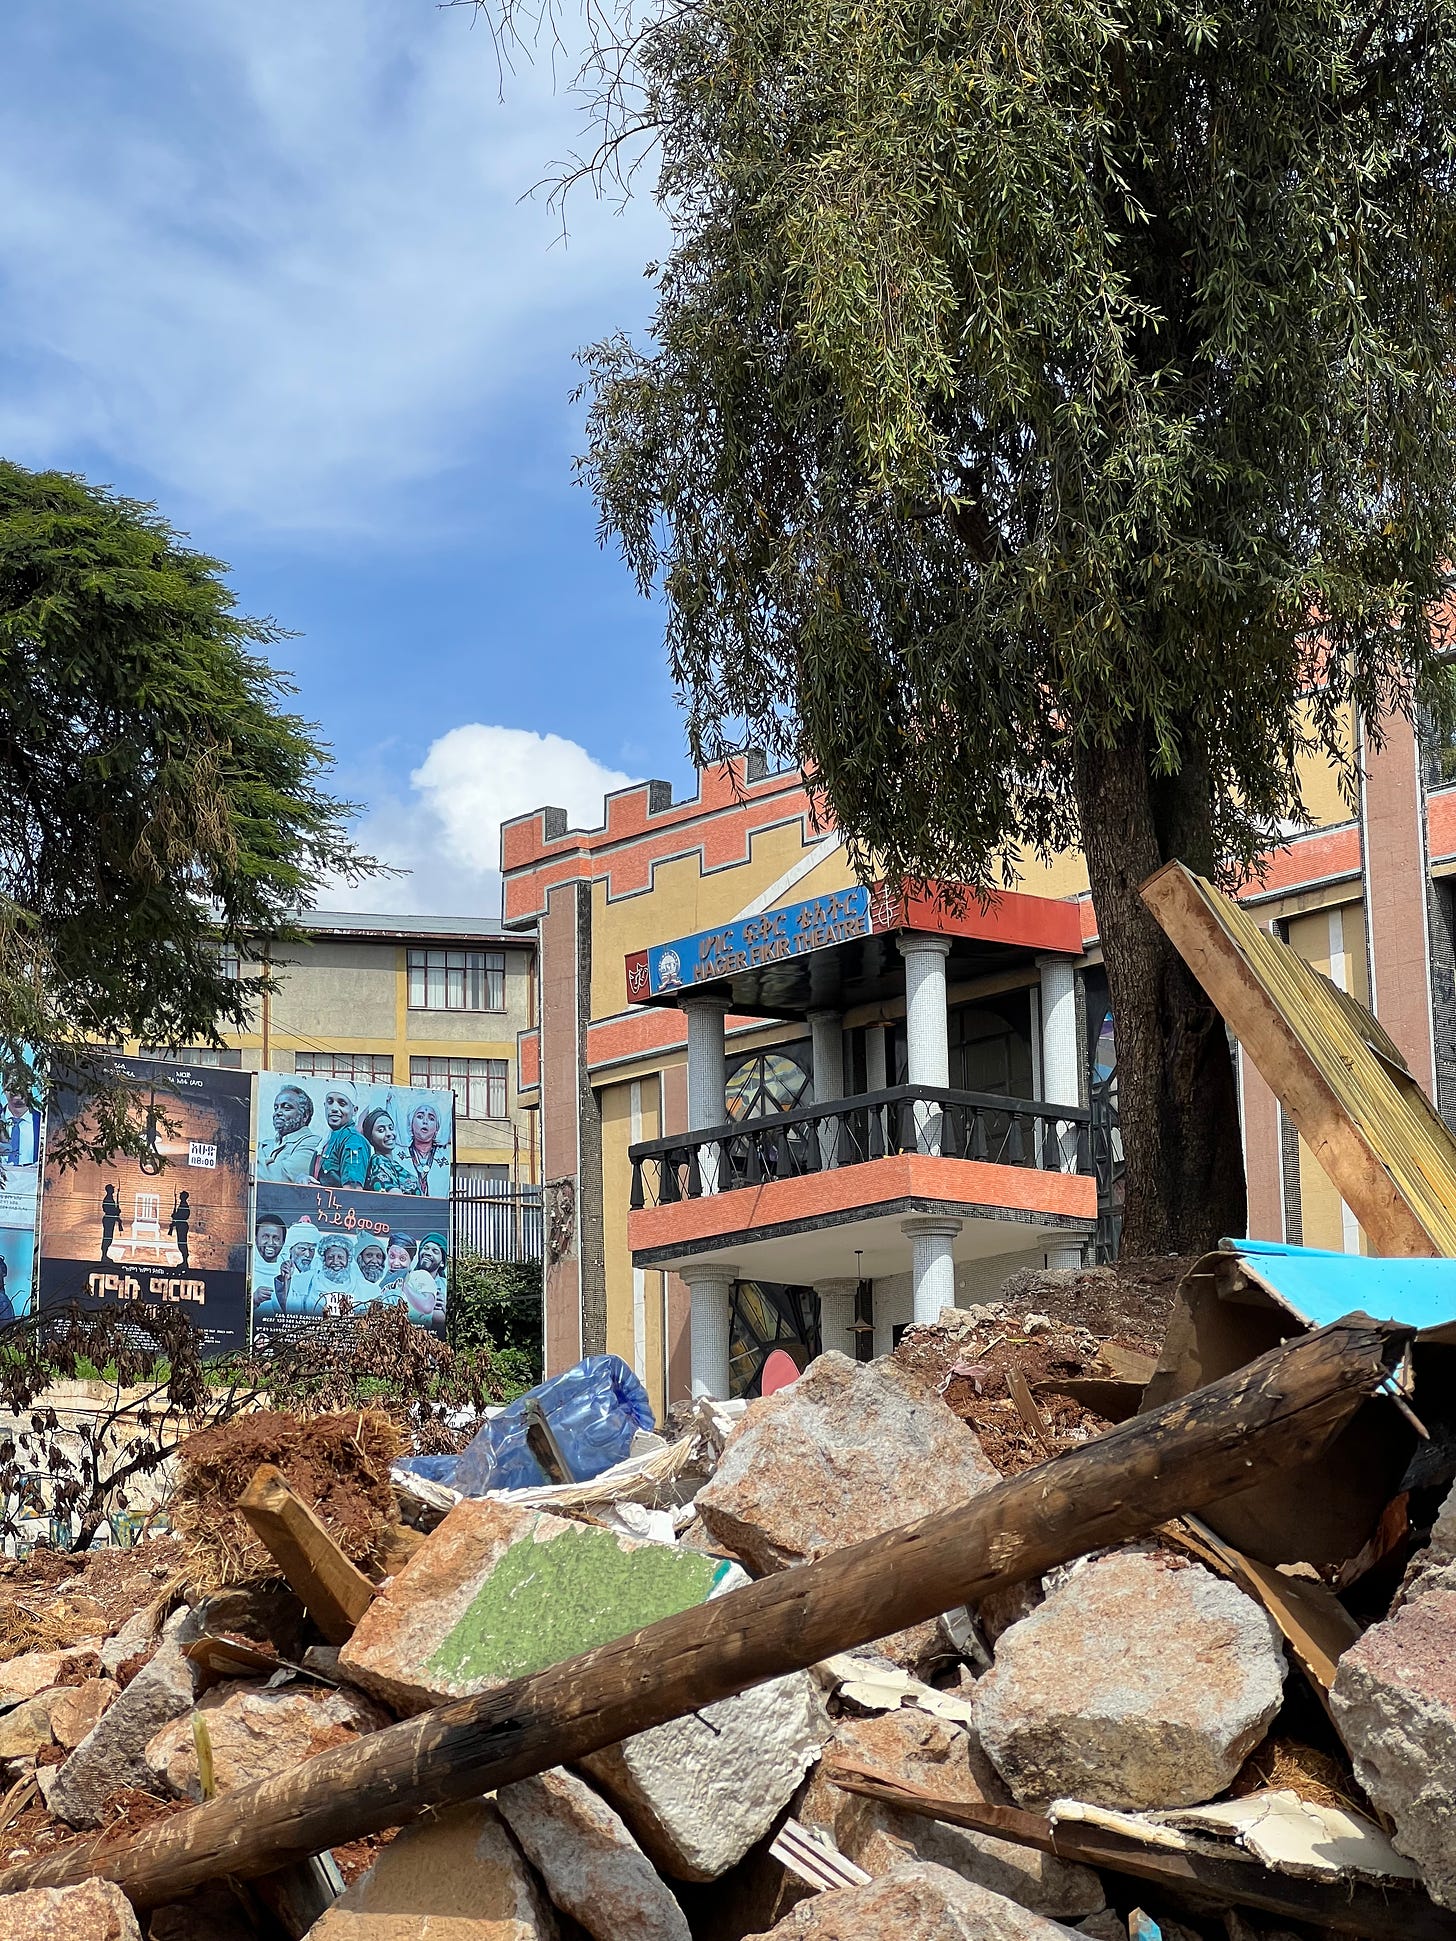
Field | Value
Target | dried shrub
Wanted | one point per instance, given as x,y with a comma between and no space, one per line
381,1360
160,1390
338,1464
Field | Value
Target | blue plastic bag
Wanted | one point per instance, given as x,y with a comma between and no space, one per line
594,1410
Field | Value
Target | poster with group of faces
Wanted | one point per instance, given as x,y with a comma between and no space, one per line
352,1205
169,1225
21,1157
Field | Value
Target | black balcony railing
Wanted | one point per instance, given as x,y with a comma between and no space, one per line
876,1125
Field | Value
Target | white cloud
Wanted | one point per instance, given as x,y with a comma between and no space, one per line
447,832
276,257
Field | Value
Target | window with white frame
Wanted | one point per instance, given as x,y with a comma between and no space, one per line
457,980
367,1067
479,1084
202,1055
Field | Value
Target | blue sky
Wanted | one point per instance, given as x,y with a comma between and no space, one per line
270,265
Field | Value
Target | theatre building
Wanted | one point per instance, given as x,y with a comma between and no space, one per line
782,1108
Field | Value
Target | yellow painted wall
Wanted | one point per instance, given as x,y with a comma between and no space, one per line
1333,940
684,901
623,1126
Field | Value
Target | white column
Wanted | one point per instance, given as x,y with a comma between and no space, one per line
828,1040
836,1315
707,1073
927,1031
877,1059
932,1271
1061,1068
710,1284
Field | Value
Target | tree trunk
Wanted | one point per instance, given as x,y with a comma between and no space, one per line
1177,1099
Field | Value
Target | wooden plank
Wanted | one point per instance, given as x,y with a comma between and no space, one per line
335,1594
1380,1911
1365,1121
1282,1409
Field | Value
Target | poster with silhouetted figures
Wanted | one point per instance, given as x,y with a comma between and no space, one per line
167,1226
352,1205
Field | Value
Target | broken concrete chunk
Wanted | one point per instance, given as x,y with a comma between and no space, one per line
255,1732
113,1753
76,1708
1434,1568
496,1593
944,1759
699,1791
93,1911
1394,1700
850,1450
914,1903
593,1869
1139,1682
457,1873
136,1637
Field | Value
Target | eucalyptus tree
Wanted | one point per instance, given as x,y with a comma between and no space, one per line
1045,435
162,814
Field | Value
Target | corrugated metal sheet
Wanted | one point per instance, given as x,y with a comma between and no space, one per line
1323,1055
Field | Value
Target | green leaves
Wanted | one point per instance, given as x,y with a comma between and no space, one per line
1026,375
157,799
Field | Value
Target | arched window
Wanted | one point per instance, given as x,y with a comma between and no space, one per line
764,1082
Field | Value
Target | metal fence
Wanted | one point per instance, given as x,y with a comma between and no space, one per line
497,1221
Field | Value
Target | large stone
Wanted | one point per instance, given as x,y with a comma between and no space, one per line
135,1638
94,1911
1434,1568
37,1671
113,1753
76,1708
944,1759
1394,1700
256,1732
849,1450
913,1903
498,1592
699,1791
593,1869
27,1727
1140,1682
457,1876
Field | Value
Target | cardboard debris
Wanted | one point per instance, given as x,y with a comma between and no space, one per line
885,1688
1295,1836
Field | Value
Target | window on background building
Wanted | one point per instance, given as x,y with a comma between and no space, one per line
365,1067
479,1084
228,961
484,1178
210,1055
457,980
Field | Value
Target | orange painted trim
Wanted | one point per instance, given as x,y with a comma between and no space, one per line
1013,917
921,1176
528,1059
1441,824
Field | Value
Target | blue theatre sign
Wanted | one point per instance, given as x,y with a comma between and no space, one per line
753,943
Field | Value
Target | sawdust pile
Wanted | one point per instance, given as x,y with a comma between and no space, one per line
338,1464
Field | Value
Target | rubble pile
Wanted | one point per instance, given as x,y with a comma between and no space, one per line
1140,1743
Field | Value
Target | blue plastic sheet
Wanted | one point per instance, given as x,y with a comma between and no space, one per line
1321,1287
594,1410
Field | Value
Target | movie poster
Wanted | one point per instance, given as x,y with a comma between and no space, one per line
170,1226
352,1205
21,1156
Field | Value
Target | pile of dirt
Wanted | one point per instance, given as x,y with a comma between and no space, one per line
52,1598
970,1365
338,1464
1128,1301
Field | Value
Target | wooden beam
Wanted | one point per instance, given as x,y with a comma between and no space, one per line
1282,1409
1337,1139
1381,1911
335,1594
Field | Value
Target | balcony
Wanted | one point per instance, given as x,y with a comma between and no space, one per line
770,1192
